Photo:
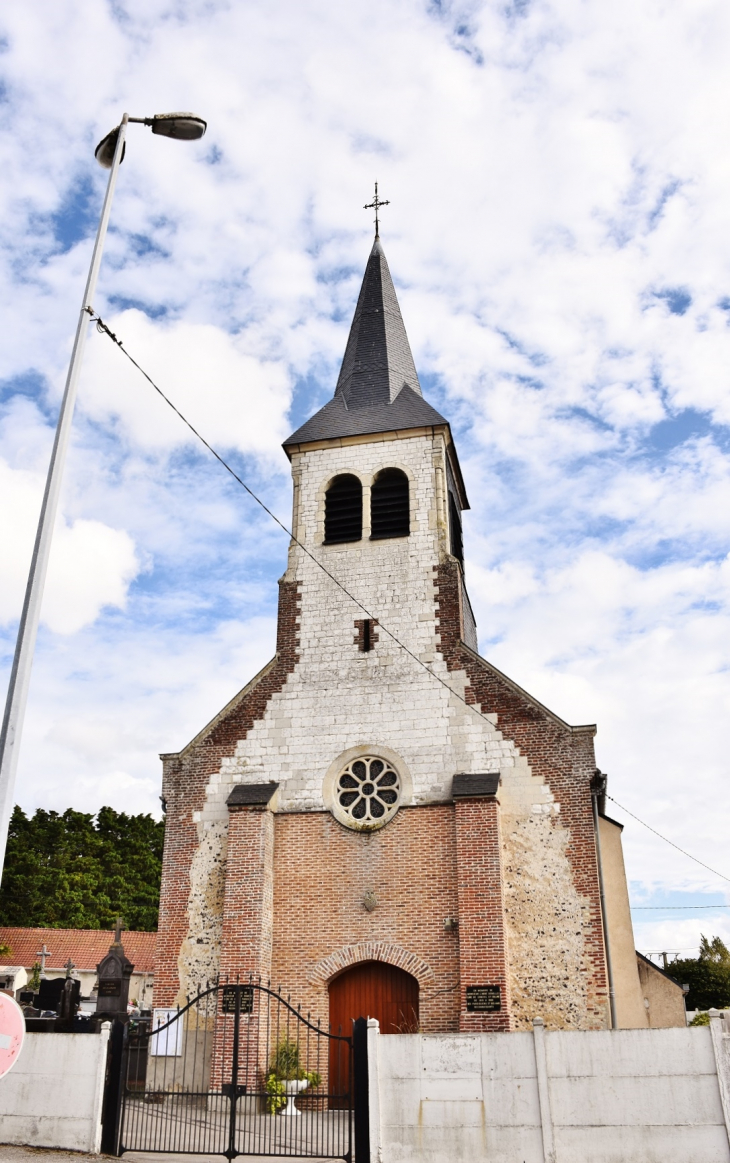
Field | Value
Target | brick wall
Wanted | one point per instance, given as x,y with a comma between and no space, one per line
482,941
323,872
248,905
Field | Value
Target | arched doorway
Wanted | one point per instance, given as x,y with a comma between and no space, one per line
371,989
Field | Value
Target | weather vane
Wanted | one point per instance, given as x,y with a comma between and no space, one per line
375,205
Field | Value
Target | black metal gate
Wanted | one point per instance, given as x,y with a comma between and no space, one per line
237,1071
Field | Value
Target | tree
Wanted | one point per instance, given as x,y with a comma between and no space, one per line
708,975
78,871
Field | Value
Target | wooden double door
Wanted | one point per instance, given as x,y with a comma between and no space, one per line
371,989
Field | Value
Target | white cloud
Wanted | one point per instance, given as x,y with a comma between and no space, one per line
557,171
91,565
234,399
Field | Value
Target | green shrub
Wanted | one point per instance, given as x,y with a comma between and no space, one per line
286,1067
708,976
700,1020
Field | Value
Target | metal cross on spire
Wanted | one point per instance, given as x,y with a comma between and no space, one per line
375,205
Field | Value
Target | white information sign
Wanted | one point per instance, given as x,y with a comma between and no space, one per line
168,1043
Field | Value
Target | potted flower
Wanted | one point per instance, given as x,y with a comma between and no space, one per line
286,1079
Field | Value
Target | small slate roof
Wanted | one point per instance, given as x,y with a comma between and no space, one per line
245,794
85,947
378,388
482,784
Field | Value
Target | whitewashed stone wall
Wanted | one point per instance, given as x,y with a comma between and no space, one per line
338,697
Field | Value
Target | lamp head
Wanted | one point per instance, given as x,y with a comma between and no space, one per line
183,126
105,150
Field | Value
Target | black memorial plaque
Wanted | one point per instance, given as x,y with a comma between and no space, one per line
229,999
483,999
110,988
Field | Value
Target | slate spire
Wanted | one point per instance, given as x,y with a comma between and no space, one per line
378,388
378,360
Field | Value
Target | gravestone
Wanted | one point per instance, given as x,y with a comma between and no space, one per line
49,994
69,1000
114,972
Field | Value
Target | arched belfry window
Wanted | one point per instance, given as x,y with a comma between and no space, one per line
343,510
390,514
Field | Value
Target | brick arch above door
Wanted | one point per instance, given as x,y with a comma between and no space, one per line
349,955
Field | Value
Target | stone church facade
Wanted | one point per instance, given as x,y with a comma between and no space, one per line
379,794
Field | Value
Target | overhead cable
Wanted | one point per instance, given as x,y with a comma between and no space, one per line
672,908
104,330
667,841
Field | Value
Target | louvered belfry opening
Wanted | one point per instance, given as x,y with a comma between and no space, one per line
343,510
390,505
457,541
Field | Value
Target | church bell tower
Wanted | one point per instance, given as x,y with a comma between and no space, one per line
380,809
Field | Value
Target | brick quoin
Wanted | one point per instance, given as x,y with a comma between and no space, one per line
246,939
248,906
482,944
185,778
561,756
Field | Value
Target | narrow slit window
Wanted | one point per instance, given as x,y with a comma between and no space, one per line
343,510
366,636
390,514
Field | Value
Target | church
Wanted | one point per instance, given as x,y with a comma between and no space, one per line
380,821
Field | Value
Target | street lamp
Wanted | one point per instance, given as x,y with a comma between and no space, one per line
110,154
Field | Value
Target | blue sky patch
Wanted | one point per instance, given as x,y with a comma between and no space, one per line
677,299
686,425
78,214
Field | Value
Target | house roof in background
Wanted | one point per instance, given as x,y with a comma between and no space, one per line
85,947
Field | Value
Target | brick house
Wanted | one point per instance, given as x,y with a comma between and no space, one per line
381,821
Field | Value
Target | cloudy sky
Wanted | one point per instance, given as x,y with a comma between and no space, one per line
559,179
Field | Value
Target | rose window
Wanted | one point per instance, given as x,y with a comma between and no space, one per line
367,793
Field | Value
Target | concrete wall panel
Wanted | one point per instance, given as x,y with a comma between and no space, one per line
626,1052
626,1096
642,1145
53,1095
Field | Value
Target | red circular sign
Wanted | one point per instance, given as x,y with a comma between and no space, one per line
12,1032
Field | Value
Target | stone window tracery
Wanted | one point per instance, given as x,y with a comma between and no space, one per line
367,793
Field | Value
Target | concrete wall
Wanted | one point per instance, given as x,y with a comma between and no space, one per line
53,1095
624,1096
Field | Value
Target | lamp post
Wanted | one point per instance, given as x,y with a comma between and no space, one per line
110,154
